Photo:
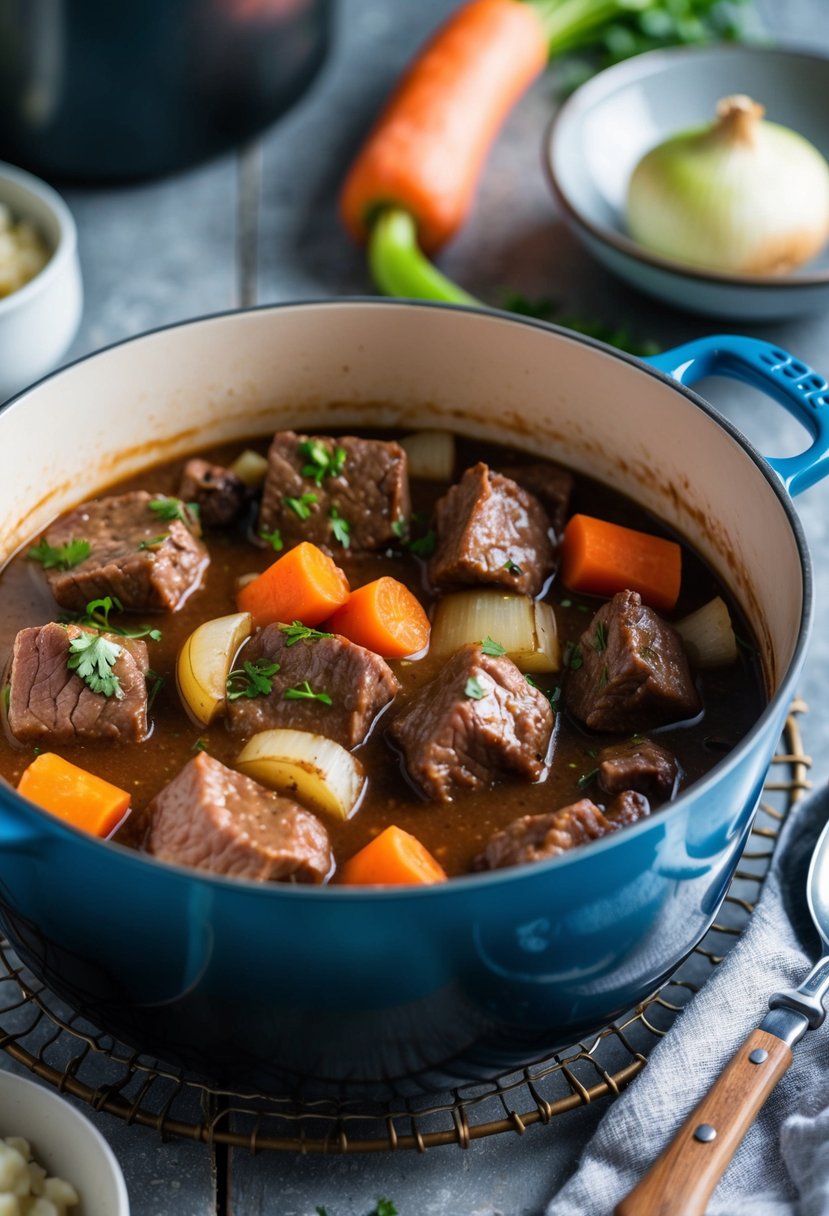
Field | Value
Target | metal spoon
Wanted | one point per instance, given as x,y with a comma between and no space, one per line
681,1180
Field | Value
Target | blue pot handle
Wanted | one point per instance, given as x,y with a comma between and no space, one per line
803,392
18,832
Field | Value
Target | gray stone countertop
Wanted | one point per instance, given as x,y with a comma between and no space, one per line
165,250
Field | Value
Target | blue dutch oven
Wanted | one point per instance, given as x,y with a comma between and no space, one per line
366,989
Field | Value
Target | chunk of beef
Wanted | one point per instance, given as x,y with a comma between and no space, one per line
639,764
369,493
489,530
146,561
51,705
220,495
213,818
549,483
539,837
633,673
476,721
358,682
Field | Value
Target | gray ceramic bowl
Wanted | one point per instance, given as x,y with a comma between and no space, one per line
609,123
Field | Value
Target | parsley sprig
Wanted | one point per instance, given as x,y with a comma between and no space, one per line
304,692
253,679
424,546
512,567
320,462
488,646
301,506
273,538
340,528
153,542
155,682
60,557
168,509
93,657
474,689
96,616
297,632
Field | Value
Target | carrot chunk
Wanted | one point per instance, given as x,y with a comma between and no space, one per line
394,858
601,558
82,799
302,585
426,150
384,617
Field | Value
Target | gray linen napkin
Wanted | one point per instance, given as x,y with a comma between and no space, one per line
782,1166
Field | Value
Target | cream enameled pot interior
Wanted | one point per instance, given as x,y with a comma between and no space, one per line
345,364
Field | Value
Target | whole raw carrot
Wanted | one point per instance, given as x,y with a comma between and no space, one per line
426,151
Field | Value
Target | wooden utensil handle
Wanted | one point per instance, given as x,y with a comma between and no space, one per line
680,1181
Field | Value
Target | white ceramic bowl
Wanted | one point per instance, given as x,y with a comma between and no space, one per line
608,124
65,1143
40,319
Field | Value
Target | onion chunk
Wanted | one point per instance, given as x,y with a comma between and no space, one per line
318,772
250,468
205,661
525,628
708,635
430,454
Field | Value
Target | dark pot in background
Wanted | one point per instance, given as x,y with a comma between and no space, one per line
91,90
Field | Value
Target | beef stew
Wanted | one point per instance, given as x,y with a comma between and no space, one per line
492,755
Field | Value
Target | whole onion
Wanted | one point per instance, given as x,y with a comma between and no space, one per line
740,195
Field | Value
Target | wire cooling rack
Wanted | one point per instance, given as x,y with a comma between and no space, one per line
58,1045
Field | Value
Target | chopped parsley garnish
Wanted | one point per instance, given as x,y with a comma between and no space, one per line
552,696
153,542
340,528
168,509
493,648
252,679
199,746
474,689
60,557
604,677
565,603
297,632
399,527
301,506
600,637
572,656
304,692
586,778
320,462
424,546
274,538
96,616
385,1207
155,683
512,567
93,657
